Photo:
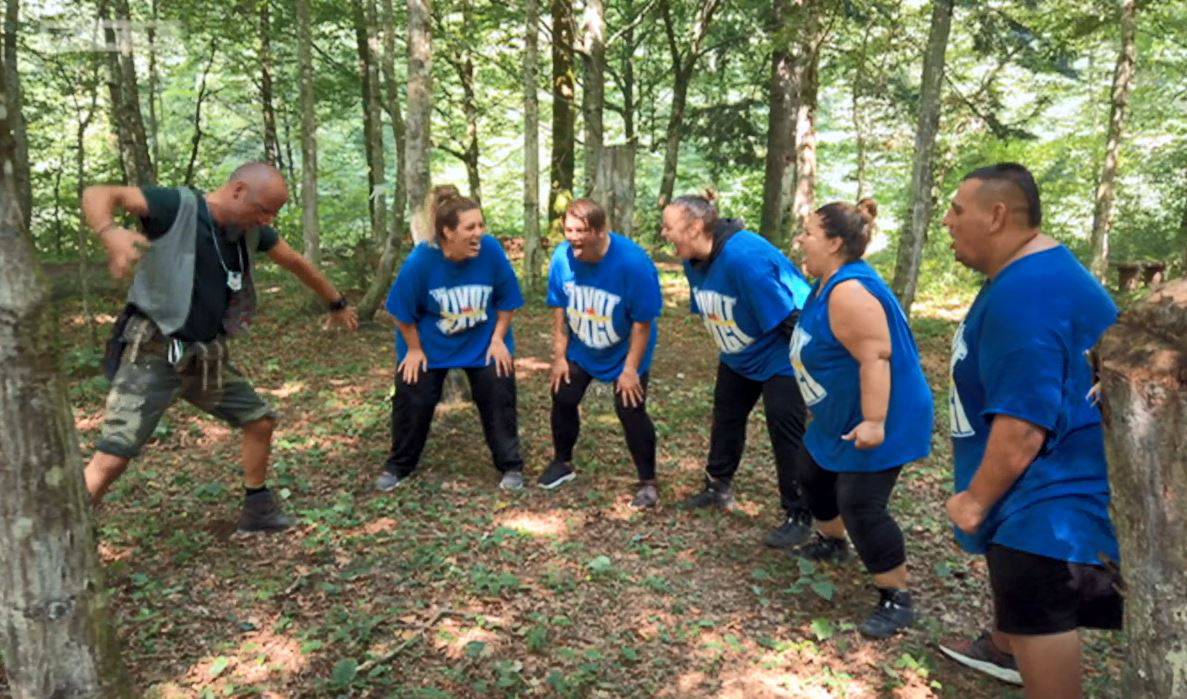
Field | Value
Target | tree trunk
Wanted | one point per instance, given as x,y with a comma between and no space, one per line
420,95
55,627
563,118
1183,234
368,41
154,132
859,131
196,141
125,97
395,234
470,106
628,74
1106,190
532,252
683,64
13,103
1144,382
781,106
614,186
80,172
309,223
920,195
593,102
271,140
803,195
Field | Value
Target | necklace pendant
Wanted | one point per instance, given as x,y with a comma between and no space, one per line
235,281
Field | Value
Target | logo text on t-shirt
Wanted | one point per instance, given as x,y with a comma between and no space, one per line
591,315
810,388
958,418
462,307
717,310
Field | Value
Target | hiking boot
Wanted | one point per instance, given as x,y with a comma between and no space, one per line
822,549
983,655
388,480
716,493
512,480
893,614
261,513
794,531
647,496
558,473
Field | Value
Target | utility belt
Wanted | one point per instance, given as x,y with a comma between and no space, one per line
135,333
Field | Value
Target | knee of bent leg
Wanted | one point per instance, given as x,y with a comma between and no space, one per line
261,428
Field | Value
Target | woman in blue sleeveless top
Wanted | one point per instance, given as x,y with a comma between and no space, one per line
858,370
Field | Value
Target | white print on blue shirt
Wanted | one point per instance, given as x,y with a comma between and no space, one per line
810,388
462,307
591,315
961,427
717,310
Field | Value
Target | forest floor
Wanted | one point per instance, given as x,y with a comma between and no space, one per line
463,590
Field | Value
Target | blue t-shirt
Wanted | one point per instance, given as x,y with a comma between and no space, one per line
830,382
1022,351
749,289
602,300
454,305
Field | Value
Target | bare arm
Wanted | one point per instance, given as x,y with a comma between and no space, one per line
560,348
859,322
284,255
504,363
100,203
1012,447
629,383
415,361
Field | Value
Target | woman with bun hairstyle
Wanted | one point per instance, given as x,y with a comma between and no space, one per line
748,294
453,301
858,370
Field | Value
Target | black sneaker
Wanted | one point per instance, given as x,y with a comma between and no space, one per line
796,530
558,473
893,614
261,513
716,493
822,549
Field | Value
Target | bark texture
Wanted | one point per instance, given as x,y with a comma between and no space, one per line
1144,381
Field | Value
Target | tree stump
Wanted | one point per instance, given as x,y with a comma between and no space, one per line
1144,381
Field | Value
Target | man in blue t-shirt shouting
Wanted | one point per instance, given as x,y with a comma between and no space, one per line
1032,488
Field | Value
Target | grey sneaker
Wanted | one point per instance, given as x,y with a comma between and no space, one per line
646,497
261,513
512,480
715,494
558,473
983,655
796,530
388,481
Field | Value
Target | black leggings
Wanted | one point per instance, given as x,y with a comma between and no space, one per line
734,397
636,423
860,499
412,415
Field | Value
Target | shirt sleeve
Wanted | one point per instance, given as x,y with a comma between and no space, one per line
768,291
403,301
269,237
163,204
556,283
646,297
1023,361
508,295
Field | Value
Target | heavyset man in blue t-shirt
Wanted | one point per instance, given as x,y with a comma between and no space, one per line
606,297
1032,489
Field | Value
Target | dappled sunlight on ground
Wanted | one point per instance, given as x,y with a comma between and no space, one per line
534,524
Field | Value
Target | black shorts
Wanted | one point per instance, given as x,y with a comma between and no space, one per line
1035,595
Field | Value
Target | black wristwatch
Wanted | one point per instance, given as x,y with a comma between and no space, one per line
339,304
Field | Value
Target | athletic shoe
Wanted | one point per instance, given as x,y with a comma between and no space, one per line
388,481
822,549
793,532
715,494
647,496
512,480
261,513
984,656
893,614
558,473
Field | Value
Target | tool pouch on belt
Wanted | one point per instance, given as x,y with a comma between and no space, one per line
116,343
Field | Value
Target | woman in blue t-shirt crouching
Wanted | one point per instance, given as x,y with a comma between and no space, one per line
858,369
606,295
453,301
748,294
